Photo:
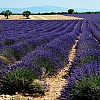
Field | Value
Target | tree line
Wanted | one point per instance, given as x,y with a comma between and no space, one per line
27,13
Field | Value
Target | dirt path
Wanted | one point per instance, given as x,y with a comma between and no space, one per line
57,82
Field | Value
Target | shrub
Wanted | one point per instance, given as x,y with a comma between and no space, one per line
45,63
44,59
37,87
88,88
83,83
70,11
12,54
87,59
1,64
9,42
16,81
6,13
26,14
28,46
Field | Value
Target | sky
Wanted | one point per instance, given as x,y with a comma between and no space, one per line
91,4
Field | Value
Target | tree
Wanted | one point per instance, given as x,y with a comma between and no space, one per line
70,11
26,14
6,13
88,12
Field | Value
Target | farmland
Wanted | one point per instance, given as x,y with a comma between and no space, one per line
40,17
59,53
86,16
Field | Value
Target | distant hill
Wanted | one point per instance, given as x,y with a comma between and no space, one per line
48,8
37,9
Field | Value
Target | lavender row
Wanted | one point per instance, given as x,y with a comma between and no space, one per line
17,51
13,39
97,23
95,30
83,83
28,26
87,48
86,16
7,39
21,33
84,73
54,55
48,59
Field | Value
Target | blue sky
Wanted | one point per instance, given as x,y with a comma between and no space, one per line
91,4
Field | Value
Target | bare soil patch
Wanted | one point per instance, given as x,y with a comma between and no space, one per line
40,17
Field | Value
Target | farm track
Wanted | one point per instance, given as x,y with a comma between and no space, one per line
56,82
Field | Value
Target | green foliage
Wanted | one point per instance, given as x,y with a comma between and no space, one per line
87,59
30,47
26,14
46,65
9,42
7,55
88,88
88,12
62,58
6,13
36,87
12,54
12,98
70,11
17,80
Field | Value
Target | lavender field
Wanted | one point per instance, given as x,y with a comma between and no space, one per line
86,16
32,49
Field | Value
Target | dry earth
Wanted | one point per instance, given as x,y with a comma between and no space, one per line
40,17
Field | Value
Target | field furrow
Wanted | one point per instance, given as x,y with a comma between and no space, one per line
49,58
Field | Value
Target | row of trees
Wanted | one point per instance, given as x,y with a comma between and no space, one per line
7,13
